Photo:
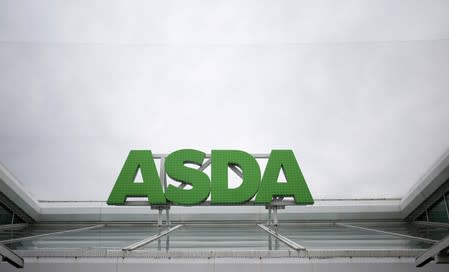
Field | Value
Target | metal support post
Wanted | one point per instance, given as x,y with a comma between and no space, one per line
167,221
270,243
275,216
160,209
159,217
269,217
273,221
167,242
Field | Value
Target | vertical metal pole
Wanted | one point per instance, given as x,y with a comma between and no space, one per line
159,217
447,207
275,222
159,223
269,216
270,243
275,215
276,241
427,216
167,222
12,218
167,242
270,246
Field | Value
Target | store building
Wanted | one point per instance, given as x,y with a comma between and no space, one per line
409,234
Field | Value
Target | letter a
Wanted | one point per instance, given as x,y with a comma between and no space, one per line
126,187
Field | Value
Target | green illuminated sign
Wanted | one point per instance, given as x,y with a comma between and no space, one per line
263,187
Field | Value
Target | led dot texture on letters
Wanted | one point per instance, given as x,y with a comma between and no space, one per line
264,187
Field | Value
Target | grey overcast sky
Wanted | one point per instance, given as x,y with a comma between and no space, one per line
358,89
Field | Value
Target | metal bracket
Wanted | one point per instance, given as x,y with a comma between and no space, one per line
273,214
438,252
150,239
11,257
282,238
160,208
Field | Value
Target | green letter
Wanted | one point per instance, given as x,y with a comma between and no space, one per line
174,165
220,193
126,187
295,186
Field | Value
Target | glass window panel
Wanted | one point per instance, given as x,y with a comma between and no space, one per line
206,237
438,212
34,230
218,237
330,236
428,232
112,237
5,216
18,220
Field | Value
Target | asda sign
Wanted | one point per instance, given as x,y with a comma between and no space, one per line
256,186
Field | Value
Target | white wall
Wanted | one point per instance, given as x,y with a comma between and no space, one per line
224,265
